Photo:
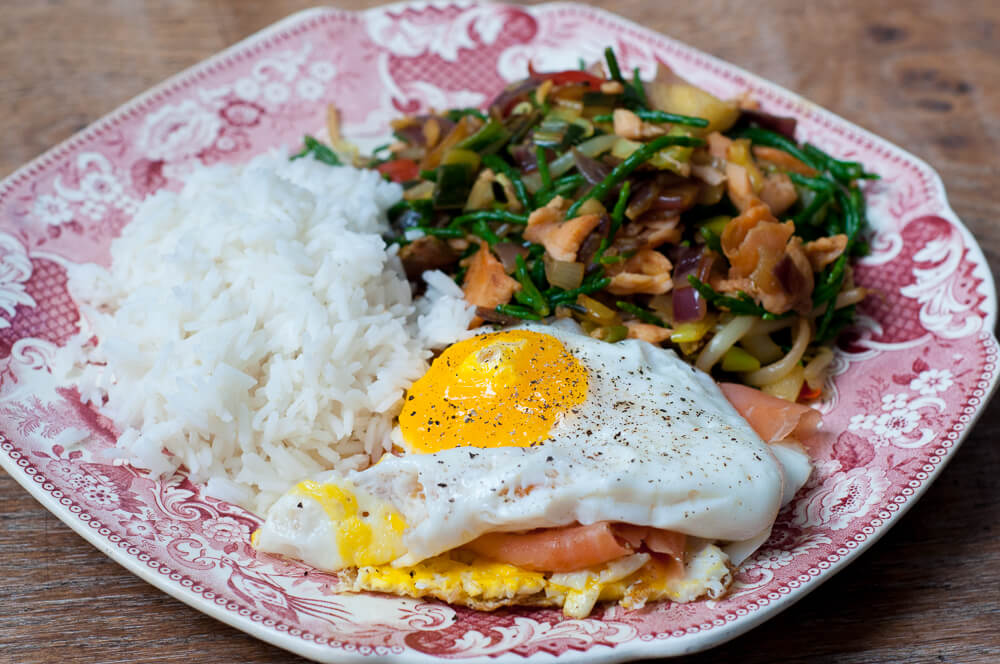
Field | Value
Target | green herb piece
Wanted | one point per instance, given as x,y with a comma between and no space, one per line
851,215
833,322
810,212
613,70
542,198
831,281
672,118
490,137
617,216
568,187
522,298
858,203
823,326
631,97
537,272
489,215
618,212
843,171
537,269
640,90
659,117
530,295
481,229
632,162
441,232
741,305
775,140
318,150
575,180
457,114
591,284
816,184
859,248
644,315
564,186
712,241
517,312
543,168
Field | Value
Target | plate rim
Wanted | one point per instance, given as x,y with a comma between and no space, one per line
690,643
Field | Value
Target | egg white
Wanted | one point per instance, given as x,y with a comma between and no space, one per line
654,443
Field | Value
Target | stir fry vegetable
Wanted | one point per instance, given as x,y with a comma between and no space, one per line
642,209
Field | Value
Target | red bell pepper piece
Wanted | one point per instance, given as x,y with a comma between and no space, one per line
568,76
809,394
399,170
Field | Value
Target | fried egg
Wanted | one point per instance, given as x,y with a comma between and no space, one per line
541,427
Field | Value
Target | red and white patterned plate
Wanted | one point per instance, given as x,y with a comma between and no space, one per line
908,386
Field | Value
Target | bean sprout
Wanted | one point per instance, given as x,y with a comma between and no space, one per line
815,371
723,340
762,347
777,370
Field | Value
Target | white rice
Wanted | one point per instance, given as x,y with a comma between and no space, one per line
256,328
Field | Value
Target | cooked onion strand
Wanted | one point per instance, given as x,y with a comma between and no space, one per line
723,340
778,370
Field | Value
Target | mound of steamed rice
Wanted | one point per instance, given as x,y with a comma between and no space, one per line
255,329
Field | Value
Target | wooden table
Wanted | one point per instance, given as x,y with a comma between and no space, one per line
922,74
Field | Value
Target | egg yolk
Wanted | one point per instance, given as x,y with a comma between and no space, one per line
504,389
368,531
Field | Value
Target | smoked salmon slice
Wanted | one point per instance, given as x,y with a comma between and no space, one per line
667,542
562,239
553,549
575,547
772,418
486,283
782,159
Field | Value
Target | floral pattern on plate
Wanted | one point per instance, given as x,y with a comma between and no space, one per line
909,380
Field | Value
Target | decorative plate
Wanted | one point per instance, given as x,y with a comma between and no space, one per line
909,383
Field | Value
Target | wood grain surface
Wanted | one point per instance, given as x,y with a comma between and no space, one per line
922,74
